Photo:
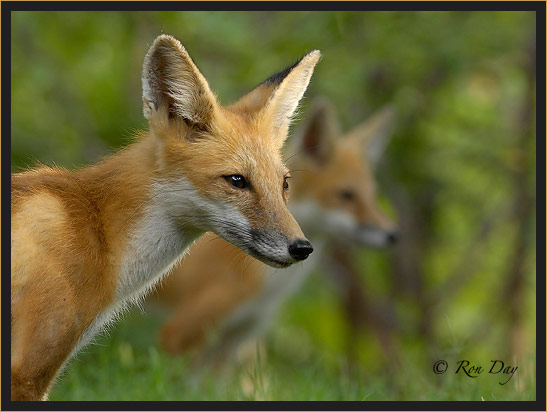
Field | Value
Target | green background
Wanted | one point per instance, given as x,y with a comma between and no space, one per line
458,176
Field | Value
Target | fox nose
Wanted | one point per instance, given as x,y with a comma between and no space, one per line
393,237
300,249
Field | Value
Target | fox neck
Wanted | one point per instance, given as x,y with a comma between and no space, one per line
156,243
145,240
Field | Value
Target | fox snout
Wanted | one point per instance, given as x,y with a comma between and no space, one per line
373,236
393,237
300,249
276,249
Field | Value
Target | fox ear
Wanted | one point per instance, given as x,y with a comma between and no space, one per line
275,100
171,81
291,84
319,131
375,132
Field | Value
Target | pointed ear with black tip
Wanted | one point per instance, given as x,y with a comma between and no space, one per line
316,138
172,82
375,132
276,99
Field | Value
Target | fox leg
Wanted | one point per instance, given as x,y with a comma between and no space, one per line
193,319
33,368
45,328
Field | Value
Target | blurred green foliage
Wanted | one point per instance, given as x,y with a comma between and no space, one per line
462,156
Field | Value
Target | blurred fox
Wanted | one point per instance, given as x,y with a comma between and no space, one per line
221,303
86,243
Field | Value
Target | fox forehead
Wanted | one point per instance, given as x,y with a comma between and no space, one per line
234,145
349,158
249,139
352,168
346,167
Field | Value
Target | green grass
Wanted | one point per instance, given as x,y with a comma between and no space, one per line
127,364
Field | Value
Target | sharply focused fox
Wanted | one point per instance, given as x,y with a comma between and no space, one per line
85,243
222,303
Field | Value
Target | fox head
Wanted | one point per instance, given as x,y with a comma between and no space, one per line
335,183
220,168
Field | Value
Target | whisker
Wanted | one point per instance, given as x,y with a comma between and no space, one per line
293,155
299,170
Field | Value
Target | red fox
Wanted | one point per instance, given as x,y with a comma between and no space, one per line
86,243
218,304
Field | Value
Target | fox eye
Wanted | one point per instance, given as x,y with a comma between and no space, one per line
347,194
286,183
237,181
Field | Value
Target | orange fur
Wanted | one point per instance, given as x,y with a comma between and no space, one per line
87,242
204,293
209,287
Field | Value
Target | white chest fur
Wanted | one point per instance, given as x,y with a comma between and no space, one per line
156,245
157,242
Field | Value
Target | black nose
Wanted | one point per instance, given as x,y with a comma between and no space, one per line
392,237
300,249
